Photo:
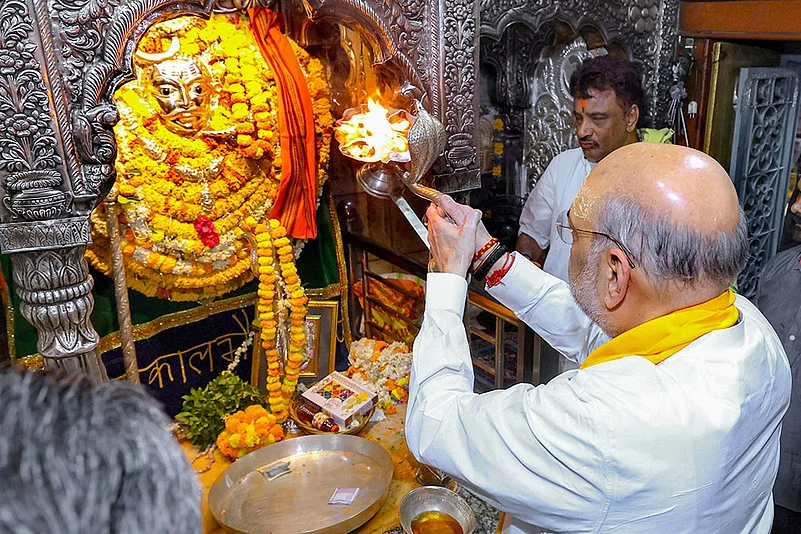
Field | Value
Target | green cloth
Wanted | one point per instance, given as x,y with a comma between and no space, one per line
649,135
317,268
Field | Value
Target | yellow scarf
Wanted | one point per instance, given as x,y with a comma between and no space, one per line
661,338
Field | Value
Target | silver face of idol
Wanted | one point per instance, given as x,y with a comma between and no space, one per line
184,94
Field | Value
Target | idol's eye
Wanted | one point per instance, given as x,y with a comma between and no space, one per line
166,91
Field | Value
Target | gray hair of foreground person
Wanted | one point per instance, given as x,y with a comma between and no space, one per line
77,458
671,254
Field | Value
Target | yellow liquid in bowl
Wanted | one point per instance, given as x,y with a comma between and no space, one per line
436,523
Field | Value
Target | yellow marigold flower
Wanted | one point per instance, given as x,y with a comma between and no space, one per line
498,148
244,140
245,128
233,441
269,333
250,72
236,88
498,124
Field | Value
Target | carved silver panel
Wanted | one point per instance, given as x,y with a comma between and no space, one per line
765,123
549,127
514,34
432,45
646,28
32,160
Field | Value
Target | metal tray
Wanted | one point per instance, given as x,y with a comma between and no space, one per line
243,501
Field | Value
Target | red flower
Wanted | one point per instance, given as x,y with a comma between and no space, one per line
206,231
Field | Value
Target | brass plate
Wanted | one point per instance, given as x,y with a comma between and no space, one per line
243,501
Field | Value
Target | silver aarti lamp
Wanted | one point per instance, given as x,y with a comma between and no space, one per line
386,177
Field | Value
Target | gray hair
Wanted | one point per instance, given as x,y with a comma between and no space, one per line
78,458
671,252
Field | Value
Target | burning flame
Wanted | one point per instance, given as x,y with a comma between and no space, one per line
374,134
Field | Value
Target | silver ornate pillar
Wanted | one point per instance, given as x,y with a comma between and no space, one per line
60,63
39,225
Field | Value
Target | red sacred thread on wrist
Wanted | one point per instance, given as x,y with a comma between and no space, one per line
495,278
477,255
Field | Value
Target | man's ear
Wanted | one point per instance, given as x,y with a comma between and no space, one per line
616,278
632,116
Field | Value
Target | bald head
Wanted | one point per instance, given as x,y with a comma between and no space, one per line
676,211
685,185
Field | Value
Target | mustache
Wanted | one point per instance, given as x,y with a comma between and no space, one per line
587,139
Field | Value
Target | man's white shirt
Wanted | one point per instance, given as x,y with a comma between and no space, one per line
689,445
553,194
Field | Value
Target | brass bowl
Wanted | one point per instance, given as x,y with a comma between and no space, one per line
435,499
310,429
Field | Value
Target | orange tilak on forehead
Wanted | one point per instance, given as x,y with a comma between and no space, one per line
582,102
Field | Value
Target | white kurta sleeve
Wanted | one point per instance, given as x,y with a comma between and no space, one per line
537,216
545,304
535,452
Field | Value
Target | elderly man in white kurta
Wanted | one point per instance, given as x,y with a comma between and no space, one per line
672,423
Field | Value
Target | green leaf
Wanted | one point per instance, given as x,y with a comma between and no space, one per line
203,410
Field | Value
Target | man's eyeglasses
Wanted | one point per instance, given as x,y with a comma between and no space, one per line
566,234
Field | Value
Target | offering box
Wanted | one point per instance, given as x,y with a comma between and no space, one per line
341,398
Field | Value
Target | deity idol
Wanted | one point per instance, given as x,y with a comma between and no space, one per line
200,168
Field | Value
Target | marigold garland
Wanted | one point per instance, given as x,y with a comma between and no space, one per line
281,297
172,246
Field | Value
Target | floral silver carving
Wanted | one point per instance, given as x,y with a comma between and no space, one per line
28,236
28,157
80,32
765,122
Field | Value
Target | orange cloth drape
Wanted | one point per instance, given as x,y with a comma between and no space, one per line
296,203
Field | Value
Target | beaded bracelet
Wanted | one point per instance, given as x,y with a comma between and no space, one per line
487,265
482,250
485,257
